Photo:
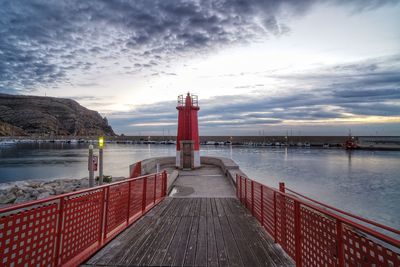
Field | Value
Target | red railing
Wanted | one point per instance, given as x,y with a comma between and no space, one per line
66,230
313,235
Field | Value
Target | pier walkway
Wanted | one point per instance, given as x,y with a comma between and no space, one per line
202,223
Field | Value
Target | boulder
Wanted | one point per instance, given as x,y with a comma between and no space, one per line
44,195
7,198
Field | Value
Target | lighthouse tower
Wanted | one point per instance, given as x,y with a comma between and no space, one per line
187,141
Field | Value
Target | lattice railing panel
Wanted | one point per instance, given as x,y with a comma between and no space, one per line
248,194
243,186
117,206
318,243
159,186
314,236
257,201
290,235
150,190
362,251
27,238
67,229
82,222
285,224
268,198
136,197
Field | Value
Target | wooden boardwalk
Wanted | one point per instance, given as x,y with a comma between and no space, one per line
193,232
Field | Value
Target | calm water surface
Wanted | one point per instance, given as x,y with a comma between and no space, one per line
363,182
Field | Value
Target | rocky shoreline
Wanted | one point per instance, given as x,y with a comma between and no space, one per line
30,190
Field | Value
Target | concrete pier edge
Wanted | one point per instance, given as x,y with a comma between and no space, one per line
228,166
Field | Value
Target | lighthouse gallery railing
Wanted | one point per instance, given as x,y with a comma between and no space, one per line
67,229
313,235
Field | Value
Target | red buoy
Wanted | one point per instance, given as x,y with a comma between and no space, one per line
187,141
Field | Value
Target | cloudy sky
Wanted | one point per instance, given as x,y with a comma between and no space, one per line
307,67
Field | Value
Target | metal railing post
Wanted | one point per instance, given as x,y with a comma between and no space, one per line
155,188
240,189
144,194
129,202
237,185
102,215
262,204
275,231
245,193
252,197
297,233
59,231
107,199
339,240
283,215
165,188
282,187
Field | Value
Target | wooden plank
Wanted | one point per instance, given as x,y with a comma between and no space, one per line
222,257
197,208
220,209
170,210
212,253
150,250
149,242
132,249
242,241
190,254
231,248
279,257
201,249
116,247
209,208
179,258
164,245
203,207
173,247
188,205
197,231
213,207
271,252
159,208
106,254
253,241
191,212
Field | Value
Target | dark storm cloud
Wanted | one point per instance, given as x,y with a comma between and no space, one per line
42,42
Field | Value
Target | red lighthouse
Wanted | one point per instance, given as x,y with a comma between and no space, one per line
187,141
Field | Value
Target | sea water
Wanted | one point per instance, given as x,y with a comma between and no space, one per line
366,183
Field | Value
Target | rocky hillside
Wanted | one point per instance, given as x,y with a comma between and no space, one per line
35,115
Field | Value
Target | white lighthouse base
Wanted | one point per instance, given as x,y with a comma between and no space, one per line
196,155
188,160
178,159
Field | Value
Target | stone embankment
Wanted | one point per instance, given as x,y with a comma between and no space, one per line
33,190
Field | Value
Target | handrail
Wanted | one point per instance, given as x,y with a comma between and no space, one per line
44,232
313,235
365,229
390,229
57,197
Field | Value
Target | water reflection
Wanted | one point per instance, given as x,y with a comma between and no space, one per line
362,181
349,152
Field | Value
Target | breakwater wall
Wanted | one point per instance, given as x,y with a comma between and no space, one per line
228,167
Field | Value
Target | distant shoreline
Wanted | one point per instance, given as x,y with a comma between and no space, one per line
384,143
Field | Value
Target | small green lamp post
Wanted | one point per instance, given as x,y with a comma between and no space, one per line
101,146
